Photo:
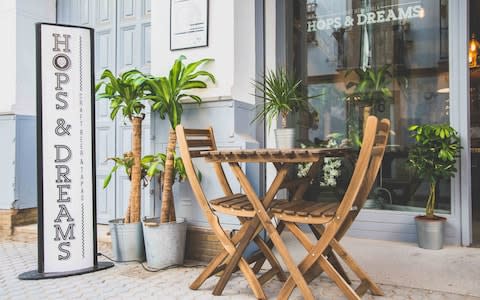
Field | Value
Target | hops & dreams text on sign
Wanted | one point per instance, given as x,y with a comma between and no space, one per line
367,17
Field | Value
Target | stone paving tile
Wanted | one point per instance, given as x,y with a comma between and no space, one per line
131,281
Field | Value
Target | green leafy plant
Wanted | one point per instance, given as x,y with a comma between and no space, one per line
125,162
155,164
372,87
167,94
433,156
126,94
151,165
281,95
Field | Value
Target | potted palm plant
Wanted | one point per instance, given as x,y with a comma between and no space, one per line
281,95
125,94
167,234
152,165
433,157
168,94
164,243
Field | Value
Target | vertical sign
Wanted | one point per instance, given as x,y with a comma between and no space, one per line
65,165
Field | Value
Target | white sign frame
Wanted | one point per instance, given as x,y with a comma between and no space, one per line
188,24
67,237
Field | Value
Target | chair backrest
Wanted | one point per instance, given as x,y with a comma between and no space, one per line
378,152
359,174
376,157
192,142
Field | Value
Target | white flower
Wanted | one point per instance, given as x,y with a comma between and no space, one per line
331,166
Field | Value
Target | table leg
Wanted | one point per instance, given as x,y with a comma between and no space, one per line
252,226
258,265
214,266
264,218
302,188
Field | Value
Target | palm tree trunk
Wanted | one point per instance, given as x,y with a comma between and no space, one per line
135,188
167,195
284,119
173,218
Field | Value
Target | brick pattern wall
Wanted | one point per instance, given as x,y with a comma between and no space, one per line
5,222
201,244
9,218
25,216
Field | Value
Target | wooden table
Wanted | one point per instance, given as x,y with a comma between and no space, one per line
282,159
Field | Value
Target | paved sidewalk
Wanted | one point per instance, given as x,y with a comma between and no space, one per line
131,281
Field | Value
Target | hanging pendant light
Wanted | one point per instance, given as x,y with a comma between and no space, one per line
473,51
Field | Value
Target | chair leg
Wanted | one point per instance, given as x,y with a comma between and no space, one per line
313,254
235,257
229,246
316,269
337,278
213,266
332,258
258,265
251,279
320,260
331,255
296,275
353,265
209,271
271,259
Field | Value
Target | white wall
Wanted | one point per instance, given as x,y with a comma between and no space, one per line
17,53
244,51
7,55
7,162
231,26
29,12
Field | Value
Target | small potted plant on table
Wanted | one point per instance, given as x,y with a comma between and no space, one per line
281,95
433,157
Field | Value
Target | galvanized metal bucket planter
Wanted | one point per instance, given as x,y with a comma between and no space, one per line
127,241
430,232
285,138
164,242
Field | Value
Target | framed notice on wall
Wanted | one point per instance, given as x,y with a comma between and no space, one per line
67,242
188,24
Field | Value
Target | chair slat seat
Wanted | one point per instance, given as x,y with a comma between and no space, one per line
283,209
236,204
225,201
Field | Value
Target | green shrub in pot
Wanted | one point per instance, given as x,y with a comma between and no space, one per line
433,157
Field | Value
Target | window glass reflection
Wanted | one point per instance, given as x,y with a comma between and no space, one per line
388,58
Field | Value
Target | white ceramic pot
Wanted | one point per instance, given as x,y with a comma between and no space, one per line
285,138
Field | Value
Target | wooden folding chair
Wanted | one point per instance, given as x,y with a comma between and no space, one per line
192,142
330,221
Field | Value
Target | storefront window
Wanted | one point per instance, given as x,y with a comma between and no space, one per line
387,58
